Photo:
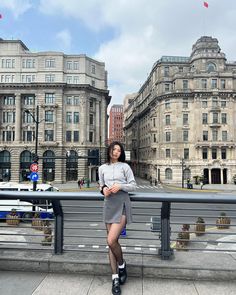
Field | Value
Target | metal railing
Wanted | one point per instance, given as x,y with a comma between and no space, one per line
78,224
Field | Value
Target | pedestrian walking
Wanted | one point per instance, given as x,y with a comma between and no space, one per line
116,179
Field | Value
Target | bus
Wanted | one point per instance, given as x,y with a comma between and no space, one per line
24,208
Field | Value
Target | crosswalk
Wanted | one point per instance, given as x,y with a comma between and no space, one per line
153,187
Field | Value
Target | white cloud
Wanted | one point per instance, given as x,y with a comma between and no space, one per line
143,31
64,38
17,7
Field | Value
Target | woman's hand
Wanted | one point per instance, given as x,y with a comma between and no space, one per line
106,191
115,188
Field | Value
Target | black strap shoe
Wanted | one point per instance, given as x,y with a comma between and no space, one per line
116,287
122,275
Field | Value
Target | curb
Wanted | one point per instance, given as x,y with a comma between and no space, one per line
188,265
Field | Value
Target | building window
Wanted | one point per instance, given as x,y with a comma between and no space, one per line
167,153
211,67
29,100
49,98
28,63
69,79
205,153
167,119
154,122
49,78
8,63
224,118
204,103
76,136
91,119
93,83
168,174
69,100
223,153
215,118
76,100
214,135
90,136
28,135
69,65
48,135
8,135
186,154
224,136
93,69
185,135
76,79
49,116
9,100
27,118
222,83
8,117
167,104
223,103
76,117
168,136
185,119
215,102
214,83
167,87
166,71
76,65
154,137
205,135
181,69
185,102
50,63
68,117
214,153
204,118
204,83
68,136
185,84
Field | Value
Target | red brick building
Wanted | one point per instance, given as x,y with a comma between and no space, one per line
116,123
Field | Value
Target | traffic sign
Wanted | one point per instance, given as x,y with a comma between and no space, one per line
34,167
34,176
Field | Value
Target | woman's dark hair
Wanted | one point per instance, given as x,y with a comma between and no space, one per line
111,148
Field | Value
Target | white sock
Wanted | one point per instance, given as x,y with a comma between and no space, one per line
115,276
122,265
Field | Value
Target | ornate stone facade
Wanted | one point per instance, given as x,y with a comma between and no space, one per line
181,124
71,94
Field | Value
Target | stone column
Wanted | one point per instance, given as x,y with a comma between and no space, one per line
221,176
18,118
98,128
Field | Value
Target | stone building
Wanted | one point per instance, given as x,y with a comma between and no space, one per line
181,124
71,95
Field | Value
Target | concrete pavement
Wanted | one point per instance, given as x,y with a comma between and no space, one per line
30,283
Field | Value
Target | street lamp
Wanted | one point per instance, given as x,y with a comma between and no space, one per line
36,121
182,169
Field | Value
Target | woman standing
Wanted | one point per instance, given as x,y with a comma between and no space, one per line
116,179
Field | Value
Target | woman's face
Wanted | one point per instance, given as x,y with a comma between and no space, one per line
115,153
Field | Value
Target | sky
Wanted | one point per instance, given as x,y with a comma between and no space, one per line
128,35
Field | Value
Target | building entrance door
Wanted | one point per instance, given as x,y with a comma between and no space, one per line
215,176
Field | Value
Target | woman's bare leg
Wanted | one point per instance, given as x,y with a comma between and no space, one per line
115,252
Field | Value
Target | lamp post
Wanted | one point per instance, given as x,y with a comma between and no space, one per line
36,121
182,169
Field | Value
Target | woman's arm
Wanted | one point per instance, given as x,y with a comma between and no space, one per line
131,184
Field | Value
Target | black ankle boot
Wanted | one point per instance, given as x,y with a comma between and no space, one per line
116,287
122,274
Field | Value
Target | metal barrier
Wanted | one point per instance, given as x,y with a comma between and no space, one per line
69,231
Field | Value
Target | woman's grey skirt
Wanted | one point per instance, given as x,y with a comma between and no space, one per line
115,205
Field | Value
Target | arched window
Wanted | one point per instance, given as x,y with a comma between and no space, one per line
5,166
25,161
211,67
168,174
72,166
48,166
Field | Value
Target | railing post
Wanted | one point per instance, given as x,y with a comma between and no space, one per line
59,227
165,251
